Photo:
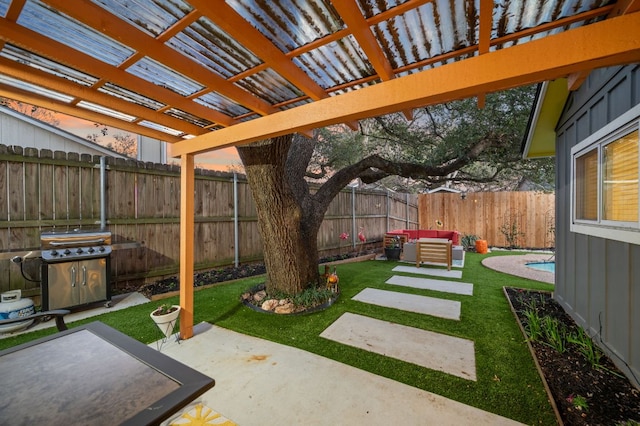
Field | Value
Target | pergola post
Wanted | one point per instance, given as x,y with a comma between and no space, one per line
187,185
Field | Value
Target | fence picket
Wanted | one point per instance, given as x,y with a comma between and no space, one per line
143,212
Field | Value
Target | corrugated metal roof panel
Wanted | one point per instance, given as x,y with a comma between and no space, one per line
4,6
128,95
161,128
311,34
205,43
57,26
220,103
38,62
336,63
174,112
159,74
290,24
371,8
416,35
106,111
270,86
22,85
153,17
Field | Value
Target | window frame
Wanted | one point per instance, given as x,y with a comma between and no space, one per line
609,229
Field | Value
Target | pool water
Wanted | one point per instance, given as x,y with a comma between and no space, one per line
543,266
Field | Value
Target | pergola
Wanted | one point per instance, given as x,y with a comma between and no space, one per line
207,74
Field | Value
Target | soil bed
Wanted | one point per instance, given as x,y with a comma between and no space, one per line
228,274
610,397
256,296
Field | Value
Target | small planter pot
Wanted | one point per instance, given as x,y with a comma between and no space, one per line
166,322
392,253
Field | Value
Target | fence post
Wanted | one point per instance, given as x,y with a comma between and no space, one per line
406,209
388,210
353,216
236,253
103,193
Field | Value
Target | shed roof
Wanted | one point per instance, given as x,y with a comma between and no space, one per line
46,127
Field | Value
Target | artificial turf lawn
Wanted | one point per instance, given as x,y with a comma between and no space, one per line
508,383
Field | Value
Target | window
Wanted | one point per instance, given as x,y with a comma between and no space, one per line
620,179
587,186
605,171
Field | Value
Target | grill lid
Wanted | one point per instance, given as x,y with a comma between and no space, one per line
74,238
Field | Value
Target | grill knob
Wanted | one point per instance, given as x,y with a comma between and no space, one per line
91,249
79,251
54,252
101,248
67,251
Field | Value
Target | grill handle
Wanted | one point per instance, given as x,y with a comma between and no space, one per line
75,243
73,276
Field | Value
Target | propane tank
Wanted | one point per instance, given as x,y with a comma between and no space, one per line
12,305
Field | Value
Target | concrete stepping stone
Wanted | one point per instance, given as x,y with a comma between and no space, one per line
443,273
451,355
431,284
442,308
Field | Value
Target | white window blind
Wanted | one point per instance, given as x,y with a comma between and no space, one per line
620,179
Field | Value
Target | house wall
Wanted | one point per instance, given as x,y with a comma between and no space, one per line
597,279
21,130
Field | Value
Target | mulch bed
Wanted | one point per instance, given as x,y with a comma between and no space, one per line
611,398
228,274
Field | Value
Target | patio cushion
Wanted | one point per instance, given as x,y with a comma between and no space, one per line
414,234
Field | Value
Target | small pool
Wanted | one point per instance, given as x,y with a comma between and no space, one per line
543,266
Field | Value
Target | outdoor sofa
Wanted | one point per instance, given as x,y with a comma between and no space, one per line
431,250
409,235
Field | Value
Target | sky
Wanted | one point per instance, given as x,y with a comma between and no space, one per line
217,160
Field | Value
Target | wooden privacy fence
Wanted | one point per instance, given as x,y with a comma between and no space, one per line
40,190
528,217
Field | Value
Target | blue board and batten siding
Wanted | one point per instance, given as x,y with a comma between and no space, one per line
597,279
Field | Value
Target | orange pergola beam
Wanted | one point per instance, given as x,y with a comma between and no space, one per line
85,114
40,78
187,186
351,15
484,36
544,59
56,51
103,21
242,31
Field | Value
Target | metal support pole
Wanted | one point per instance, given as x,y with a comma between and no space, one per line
236,251
388,209
406,210
103,193
353,216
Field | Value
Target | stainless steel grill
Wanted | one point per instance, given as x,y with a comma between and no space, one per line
75,268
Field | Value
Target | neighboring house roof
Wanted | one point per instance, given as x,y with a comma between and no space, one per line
540,137
80,145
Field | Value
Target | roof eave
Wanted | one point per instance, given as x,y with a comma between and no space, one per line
541,129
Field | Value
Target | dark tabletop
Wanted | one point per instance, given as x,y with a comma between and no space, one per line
93,375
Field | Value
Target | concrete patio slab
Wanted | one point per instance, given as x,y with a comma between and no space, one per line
436,351
449,309
264,383
443,273
431,284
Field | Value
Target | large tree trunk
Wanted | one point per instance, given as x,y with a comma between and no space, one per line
289,234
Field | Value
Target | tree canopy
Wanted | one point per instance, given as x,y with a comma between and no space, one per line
469,147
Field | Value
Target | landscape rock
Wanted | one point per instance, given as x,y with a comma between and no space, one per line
260,295
269,305
285,309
